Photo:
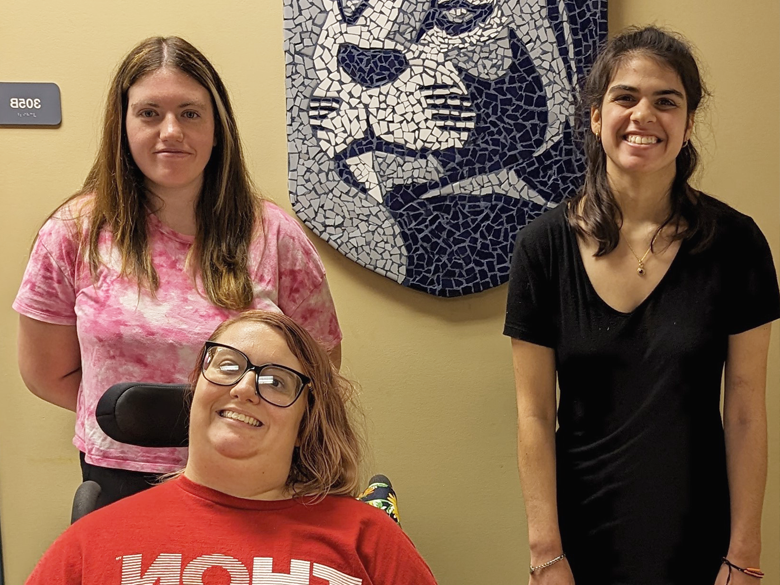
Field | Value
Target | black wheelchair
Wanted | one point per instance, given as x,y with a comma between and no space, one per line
157,415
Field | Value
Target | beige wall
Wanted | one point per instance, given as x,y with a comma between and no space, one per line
436,373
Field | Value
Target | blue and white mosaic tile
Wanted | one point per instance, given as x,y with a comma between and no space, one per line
422,134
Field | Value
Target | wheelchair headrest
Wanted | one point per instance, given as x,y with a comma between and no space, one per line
147,415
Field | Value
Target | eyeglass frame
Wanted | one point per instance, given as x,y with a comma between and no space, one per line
305,380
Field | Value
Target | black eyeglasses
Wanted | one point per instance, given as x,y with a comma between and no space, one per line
278,385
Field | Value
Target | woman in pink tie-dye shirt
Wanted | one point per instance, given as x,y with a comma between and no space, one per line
166,240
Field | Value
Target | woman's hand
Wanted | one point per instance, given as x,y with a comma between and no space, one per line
557,574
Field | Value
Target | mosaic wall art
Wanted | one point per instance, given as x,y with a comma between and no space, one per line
422,134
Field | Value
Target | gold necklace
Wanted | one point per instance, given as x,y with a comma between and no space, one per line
640,269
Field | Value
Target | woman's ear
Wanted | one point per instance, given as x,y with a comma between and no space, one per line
595,121
689,127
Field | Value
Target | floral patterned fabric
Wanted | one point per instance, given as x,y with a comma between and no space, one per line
380,494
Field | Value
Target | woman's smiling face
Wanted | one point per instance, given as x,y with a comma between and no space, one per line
233,421
643,120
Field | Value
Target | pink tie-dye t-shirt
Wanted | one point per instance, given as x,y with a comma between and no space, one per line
127,336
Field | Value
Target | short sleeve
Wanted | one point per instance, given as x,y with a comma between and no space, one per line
529,301
303,292
753,297
48,289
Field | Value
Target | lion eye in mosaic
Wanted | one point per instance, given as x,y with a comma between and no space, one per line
371,67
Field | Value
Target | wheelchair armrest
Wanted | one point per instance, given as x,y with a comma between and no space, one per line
147,415
85,500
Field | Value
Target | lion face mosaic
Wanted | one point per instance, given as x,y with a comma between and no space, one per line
422,134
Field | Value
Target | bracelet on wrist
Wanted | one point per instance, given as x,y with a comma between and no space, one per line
749,571
537,568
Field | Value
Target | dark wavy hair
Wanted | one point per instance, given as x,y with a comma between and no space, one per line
114,196
593,212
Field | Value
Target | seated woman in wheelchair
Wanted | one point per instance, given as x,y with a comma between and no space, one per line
268,491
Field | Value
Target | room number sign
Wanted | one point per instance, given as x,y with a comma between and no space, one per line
30,104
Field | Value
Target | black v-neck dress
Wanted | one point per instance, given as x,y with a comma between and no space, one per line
641,466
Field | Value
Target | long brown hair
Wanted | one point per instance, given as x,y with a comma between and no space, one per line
228,207
594,212
327,459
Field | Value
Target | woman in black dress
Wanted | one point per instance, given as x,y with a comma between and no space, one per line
635,294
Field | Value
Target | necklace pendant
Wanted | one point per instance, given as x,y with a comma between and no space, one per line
640,270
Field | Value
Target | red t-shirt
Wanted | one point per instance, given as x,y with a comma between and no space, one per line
182,533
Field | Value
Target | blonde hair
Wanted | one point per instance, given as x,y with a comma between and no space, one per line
228,207
330,448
